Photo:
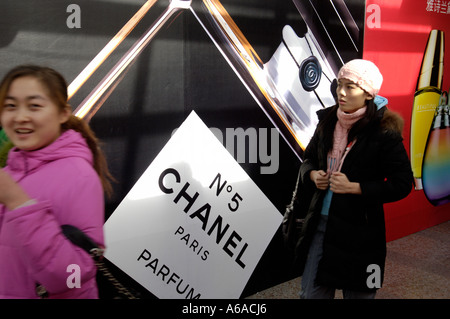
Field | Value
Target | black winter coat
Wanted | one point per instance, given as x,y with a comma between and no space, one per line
355,235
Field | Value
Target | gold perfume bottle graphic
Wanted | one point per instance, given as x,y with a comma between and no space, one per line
436,161
426,100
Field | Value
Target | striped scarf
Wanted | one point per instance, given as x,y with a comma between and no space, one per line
343,126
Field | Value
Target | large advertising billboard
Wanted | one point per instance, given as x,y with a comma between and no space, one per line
253,73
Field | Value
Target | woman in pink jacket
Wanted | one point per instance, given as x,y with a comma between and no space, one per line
55,175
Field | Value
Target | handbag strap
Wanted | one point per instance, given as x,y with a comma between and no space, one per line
294,194
79,238
296,185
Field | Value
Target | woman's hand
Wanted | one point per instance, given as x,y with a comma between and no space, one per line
11,194
340,184
320,179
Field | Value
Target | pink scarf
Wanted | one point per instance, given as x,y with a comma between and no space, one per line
340,146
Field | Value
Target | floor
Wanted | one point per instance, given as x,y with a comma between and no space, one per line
417,267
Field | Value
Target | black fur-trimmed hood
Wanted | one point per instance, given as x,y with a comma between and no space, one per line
392,121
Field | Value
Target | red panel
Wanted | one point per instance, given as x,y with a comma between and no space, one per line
396,34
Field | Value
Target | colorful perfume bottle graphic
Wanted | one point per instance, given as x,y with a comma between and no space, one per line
426,100
436,161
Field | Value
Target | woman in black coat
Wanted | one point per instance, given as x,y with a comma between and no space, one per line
354,163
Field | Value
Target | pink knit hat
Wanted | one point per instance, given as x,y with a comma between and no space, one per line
364,73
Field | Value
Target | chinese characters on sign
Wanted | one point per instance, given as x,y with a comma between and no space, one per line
438,6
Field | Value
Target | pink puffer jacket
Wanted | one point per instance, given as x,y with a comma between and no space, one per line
67,190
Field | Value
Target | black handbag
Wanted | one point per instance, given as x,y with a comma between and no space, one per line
294,215
79,238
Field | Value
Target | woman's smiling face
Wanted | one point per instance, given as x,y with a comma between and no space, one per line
29,116
350,96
